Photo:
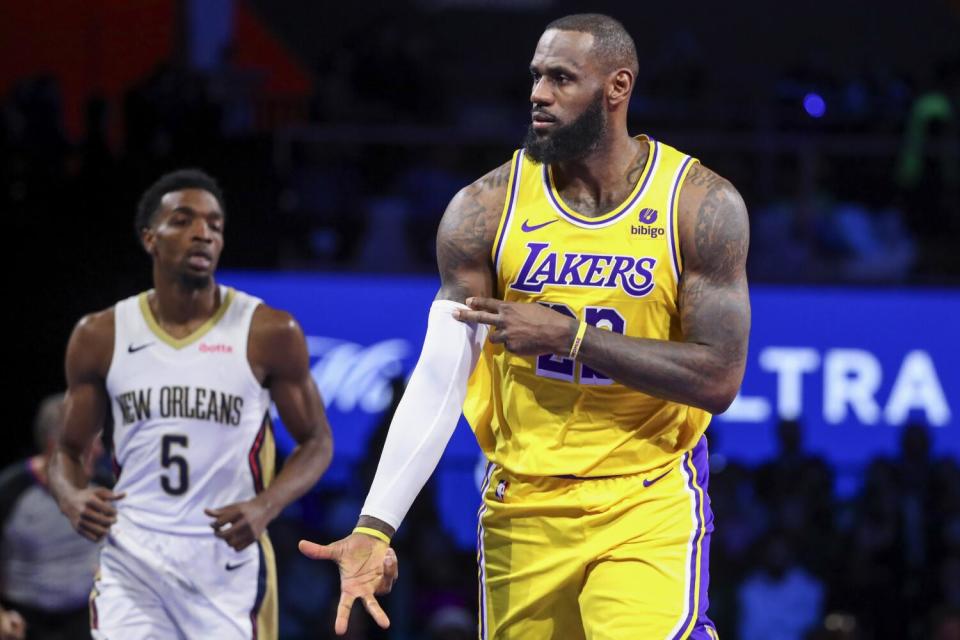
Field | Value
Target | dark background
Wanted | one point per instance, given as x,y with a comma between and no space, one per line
328,123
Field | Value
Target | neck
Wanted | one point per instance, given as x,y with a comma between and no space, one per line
600,175
175,302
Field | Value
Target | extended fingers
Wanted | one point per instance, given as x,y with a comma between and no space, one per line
484,304
343,613
373,608
316,551
485,317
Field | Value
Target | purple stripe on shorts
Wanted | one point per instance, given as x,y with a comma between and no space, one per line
701,463
698,476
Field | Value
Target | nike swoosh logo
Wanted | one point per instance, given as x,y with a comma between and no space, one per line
528,228
231,567
133,349
647,483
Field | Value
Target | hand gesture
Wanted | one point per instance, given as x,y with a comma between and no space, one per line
91,511
239,524
524,328
368,567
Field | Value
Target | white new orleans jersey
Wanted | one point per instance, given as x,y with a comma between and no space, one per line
191,428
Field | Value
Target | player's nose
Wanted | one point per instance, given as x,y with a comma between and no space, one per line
540,93
201,230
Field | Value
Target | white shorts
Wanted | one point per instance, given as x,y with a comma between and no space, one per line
159,585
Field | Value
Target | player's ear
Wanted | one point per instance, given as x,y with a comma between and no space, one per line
619,86
148,238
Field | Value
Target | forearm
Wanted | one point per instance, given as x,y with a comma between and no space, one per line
301,471
66,474
693,374
426,416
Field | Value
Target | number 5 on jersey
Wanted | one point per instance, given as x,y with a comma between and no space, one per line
169,459
561,368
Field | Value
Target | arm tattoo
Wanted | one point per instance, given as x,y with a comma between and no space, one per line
466,233
493,180
720,237
714,306
700,176
633,174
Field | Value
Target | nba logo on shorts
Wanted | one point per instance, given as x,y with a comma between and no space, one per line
501,489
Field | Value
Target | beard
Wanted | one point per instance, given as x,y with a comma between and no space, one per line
571,141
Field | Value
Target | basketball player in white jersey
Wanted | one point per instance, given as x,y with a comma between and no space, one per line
185,374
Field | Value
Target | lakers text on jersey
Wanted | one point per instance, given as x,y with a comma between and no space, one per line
549,415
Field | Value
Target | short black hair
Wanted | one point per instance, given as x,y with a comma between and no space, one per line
174,181
611,42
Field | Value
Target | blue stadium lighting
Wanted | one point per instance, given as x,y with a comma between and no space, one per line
814,105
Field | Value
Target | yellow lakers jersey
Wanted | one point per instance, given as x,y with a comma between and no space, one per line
549,415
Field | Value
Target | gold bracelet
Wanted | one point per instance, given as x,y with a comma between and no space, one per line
578,340
379,535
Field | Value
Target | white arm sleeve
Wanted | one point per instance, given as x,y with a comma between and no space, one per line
427,414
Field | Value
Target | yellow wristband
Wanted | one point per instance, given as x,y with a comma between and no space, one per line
379,535
578,340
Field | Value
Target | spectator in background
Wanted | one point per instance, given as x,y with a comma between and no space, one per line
46,569
871,581
451,623
796,488
781,600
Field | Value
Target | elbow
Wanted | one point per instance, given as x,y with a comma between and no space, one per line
717,404
318,448
720,396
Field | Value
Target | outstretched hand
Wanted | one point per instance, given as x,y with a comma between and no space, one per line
524,328
368,567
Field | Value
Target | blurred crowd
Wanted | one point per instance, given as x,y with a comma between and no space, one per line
847,178
790,559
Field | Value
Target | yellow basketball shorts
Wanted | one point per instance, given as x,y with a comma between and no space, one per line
617,558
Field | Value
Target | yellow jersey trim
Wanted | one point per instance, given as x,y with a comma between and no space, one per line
202,330
554,197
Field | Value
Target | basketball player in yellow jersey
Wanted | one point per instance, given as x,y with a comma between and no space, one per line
609,271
